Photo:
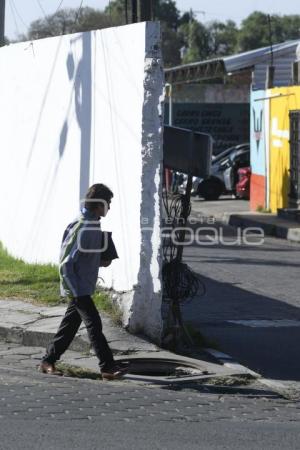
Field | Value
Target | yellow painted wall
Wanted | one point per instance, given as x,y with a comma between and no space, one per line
279,143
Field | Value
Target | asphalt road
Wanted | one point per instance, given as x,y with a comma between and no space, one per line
244,283
251,309
40,411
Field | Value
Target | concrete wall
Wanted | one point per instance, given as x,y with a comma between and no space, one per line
76,110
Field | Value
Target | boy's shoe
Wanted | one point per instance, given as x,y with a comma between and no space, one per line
48,368
114,372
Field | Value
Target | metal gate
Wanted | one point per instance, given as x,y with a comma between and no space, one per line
295,156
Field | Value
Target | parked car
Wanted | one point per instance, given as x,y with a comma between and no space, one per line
226,152
243,185
224,173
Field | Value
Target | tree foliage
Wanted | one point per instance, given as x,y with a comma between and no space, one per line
291,27
255,33
165,11
222,38
171,45
255,30
184,38
116,11
68,21
195,39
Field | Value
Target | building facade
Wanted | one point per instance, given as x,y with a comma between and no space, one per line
274,136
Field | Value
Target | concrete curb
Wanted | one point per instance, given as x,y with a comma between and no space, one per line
27,338
30,325
19,335
229,362
270,227
35,325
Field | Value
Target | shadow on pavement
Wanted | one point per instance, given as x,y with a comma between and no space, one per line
248,392
273,351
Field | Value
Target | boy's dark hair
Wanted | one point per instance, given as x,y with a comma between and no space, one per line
97,192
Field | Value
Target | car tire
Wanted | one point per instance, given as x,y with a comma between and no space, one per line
210,189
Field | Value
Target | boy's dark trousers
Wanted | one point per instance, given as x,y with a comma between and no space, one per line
80,309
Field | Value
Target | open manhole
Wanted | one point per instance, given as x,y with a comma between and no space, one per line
161,370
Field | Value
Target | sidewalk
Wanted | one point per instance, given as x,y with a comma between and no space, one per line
237,214
27,324
34,325
270,223
251,309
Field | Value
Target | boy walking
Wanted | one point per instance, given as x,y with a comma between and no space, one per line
80,260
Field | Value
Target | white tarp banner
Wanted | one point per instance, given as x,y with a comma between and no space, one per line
77,110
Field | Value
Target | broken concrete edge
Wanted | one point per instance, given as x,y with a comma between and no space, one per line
275,386
21,336
219,374
270,229
286,391
214,379
229,362
210,373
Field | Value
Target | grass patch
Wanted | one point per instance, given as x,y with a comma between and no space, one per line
39,283
104,303
77,372
35,282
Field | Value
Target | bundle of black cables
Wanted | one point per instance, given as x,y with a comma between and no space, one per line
180,282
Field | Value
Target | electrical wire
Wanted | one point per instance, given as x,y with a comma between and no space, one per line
213,14
78,12
46,16
42,8
59,6
180,283
14,18
18,14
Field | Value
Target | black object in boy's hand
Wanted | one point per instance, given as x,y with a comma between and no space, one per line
110,251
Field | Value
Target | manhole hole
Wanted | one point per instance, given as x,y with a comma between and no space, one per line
163,370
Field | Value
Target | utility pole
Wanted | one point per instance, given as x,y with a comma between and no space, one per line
146,10
134,11
126,12
270,38
141,10
2,22
270,69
